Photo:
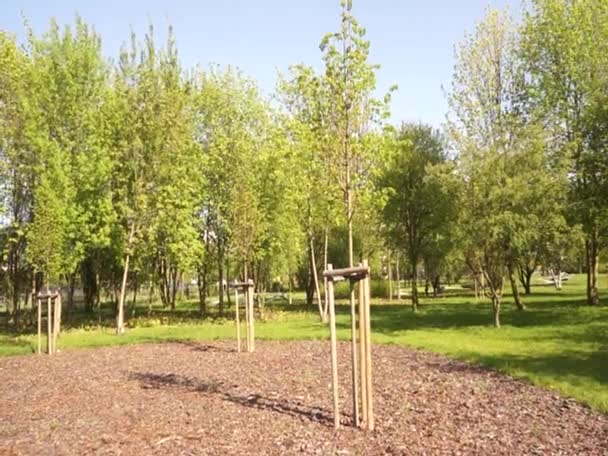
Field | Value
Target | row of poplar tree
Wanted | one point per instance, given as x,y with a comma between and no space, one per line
138,172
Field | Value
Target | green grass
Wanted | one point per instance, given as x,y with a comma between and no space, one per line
558,342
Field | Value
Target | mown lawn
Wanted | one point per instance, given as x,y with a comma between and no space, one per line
557,342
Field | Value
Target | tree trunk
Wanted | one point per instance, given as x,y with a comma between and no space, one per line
353,313
525,277
414,284
220,277
187,288
227,279
436,283
495,284
592,269
398,278
180,286
174,285
325,262
528,283
496,310
97,300
150,295
516,298
475,283
162,281
426,277
14,270
201,283
89,284
310,286
135,290
120,314
313,266
70,279
203,271
120,328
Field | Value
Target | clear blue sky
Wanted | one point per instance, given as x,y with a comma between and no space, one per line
412,40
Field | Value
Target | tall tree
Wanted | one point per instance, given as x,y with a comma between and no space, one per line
178,180
501,152
63,128
351,82
16,166
230,123
564,47
305,97
419,207
155,179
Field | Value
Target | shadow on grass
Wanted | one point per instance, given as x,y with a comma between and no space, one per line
150,380
388,319
584,365
104,317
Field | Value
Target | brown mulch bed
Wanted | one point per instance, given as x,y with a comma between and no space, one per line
198,398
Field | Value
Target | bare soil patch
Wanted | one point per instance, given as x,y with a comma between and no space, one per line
199,398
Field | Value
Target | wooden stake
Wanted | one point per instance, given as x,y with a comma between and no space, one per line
49,339
247,338
390,278
56,320
354,355
238,321
368,360
362,352
39,325
334,349
251,315
60,314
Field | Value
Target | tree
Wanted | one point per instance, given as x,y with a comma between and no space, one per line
280,241
306,100
155,182
351,81
61,172
501,153
16,167
230,128
564,48
177,178
420,202
70,89
132,173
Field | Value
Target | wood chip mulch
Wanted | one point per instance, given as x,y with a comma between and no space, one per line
204,398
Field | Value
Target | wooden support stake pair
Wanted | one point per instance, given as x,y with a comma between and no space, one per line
53,318
238,321
248,288
334,348
250,317
365,353
360,275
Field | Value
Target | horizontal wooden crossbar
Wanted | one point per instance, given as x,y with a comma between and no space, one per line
47,295
354,273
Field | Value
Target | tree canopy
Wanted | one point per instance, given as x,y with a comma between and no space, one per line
135,171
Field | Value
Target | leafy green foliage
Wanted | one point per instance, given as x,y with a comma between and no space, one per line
564,48
421,197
